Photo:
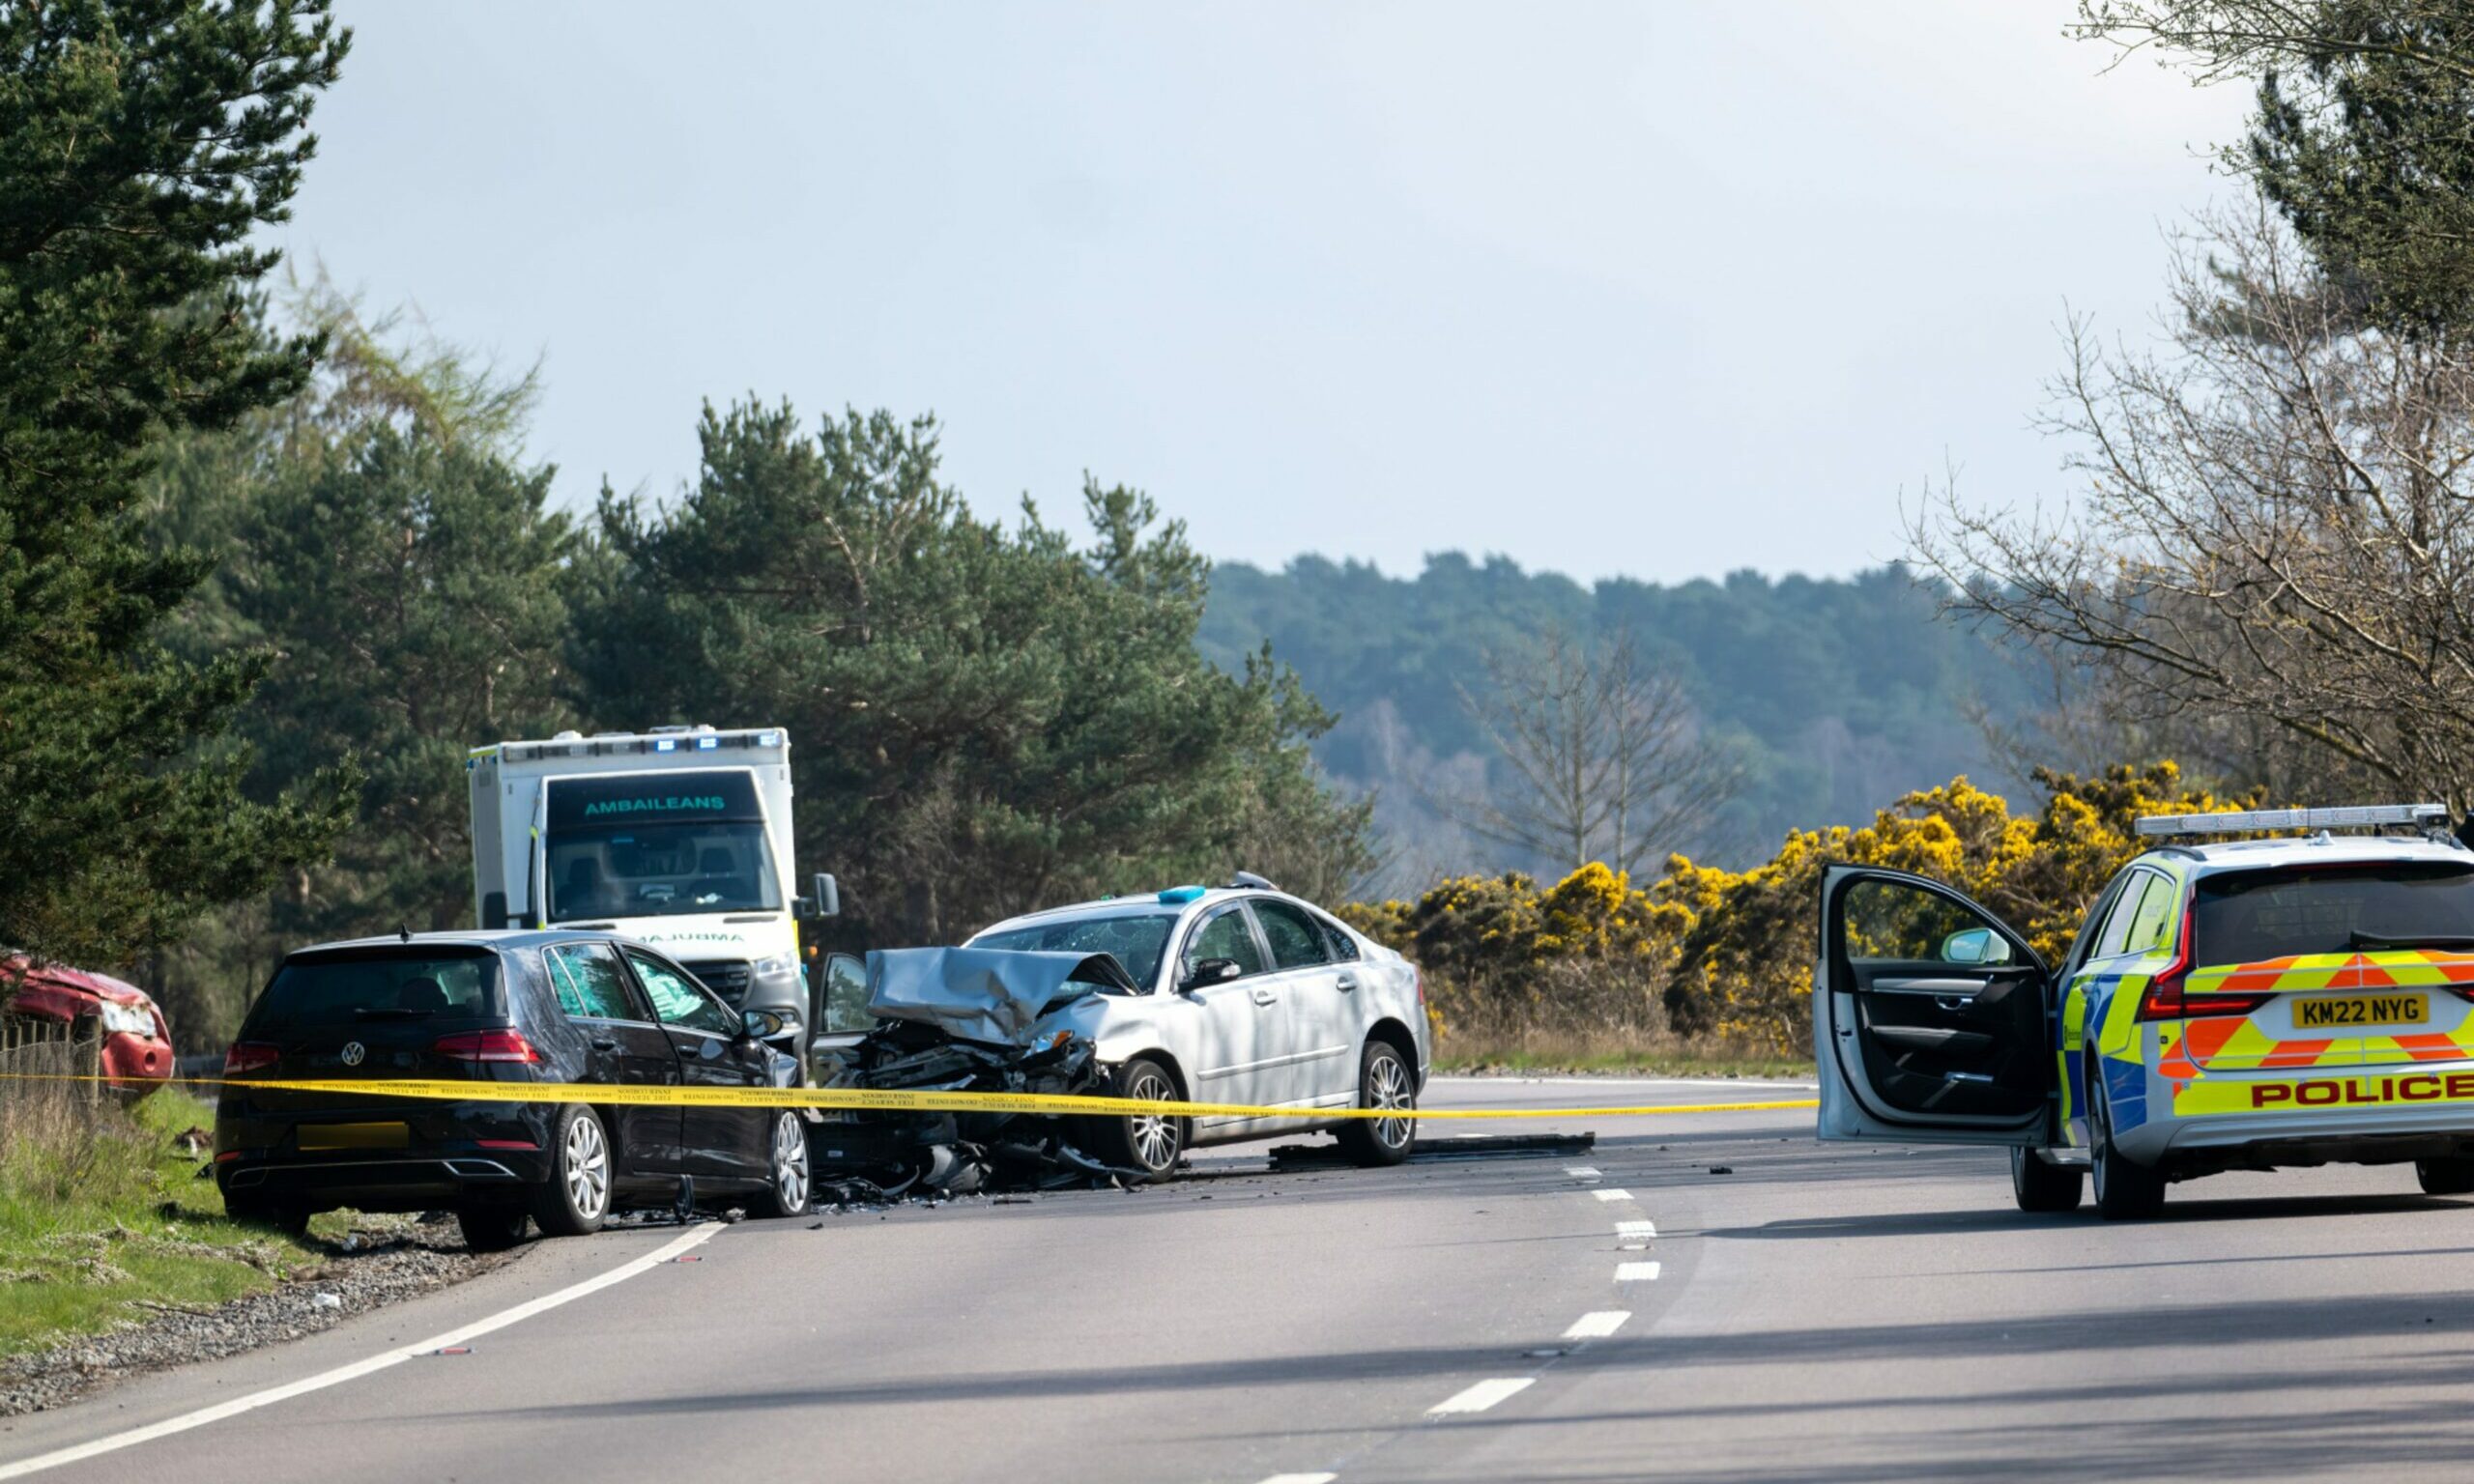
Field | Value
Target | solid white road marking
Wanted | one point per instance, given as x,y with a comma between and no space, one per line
1612,1195
1597,1325
1301,1478
1483,1395
1635,1235
1581,1172
1635,1272
359,1368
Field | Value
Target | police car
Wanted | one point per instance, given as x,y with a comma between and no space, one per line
2229,1004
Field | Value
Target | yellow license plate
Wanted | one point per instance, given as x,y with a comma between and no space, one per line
2331,1012
355,1136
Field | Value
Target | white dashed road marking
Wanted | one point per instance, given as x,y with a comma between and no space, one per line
1635,1272
1301,1478
1612,1195
1636,1233
1597,1325
1483,1395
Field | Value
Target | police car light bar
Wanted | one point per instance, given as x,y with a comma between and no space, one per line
2424,817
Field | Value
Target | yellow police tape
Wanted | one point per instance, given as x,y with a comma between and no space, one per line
875,1100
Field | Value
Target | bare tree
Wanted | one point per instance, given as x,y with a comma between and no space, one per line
1600,757
2222,38
2277,526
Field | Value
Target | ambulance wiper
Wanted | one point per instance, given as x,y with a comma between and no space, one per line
2361,939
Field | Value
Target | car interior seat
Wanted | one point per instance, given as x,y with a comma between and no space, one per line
425,996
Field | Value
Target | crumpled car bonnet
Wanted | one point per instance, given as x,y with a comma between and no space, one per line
985,994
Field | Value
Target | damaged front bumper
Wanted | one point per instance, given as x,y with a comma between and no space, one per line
967,1020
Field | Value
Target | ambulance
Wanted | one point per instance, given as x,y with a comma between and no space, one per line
2227,1004
679,838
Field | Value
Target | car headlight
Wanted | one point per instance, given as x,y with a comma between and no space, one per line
779,966
128,1019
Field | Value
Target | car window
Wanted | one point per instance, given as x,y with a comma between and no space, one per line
591,985
2259,916
1138,939
845,996
679,1001
1897,922
1344,945
1295,942
2148,925
380,985
2126,911
1225,935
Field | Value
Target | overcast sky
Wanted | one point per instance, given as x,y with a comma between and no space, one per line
1663,290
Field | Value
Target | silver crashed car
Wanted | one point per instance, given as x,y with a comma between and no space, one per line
1241,994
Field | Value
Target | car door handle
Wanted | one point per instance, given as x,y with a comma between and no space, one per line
603,1043
1347,981
1264,997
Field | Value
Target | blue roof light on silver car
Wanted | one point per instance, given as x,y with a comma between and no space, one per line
1179,895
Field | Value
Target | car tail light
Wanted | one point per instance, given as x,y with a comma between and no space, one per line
487,1046
248,1056
1418,982
2164,999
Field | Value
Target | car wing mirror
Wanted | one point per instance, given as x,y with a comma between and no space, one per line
1975,944
1209,972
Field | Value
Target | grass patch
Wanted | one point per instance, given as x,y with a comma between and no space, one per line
101,1216
1609,1051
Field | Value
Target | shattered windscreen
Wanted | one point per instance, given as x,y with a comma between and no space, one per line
1136,938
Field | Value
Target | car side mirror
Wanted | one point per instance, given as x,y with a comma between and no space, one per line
823,898
757,1024
1975,944
493,910
1209,972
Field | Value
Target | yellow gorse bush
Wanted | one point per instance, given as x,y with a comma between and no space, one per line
1729,953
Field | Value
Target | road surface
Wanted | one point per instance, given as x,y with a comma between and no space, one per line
1819,1313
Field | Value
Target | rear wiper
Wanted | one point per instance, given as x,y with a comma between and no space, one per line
2360,939
391,1012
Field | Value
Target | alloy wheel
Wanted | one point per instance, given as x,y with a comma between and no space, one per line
585,1159
1387,1086
1153,1136
791,1164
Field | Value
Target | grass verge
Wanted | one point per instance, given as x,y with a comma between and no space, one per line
1534,1052
102,1220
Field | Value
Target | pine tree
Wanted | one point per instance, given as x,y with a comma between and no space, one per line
141,142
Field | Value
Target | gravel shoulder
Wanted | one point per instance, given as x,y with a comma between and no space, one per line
379,1262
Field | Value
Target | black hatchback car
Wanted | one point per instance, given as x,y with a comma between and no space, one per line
499,1006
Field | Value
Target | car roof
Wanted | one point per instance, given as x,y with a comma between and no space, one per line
1208,896
495,939
2308,851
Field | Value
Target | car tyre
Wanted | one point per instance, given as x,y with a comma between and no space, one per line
786,1194
1384,1080
1148,1145
2042,1185
576,1198
290,1217
492,1228
2125,1191
2451,1176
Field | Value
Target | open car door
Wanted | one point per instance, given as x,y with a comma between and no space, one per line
1931,1019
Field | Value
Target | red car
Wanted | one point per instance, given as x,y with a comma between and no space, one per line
137,1046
